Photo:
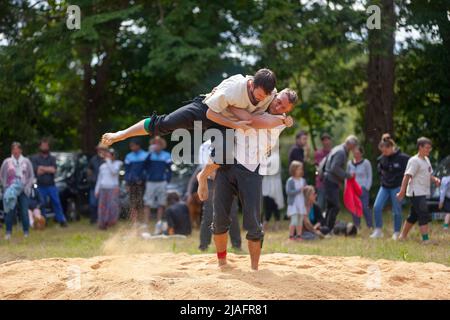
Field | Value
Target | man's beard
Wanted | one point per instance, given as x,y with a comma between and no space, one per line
253,98
45,151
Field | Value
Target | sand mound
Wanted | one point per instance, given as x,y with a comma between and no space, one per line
183,276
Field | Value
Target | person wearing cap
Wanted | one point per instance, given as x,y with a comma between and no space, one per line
94,165
320,154
107,190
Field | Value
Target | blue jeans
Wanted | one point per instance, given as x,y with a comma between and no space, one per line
22,204
382,197
366,210
53,194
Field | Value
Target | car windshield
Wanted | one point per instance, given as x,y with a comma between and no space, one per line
65,163
443,169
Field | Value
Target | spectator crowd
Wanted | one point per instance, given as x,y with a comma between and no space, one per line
28,187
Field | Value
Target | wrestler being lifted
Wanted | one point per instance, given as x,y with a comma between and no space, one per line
238,102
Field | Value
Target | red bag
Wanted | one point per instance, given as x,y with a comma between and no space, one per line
352,194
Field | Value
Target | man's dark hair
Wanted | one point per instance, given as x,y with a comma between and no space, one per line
300,134
360,148
423,141
135,141
265,79
172,198
44,140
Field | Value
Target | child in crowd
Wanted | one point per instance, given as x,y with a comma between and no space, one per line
177,215
416,185
296,201
314,221
444,200
37,220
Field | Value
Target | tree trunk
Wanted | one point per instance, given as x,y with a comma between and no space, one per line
380,74
90,113
94,95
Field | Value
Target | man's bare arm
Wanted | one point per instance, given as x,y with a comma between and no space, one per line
261,121
241,114
224,121
267,121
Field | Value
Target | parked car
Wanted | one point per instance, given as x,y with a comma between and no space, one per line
124,197
440,171
181,174
72,184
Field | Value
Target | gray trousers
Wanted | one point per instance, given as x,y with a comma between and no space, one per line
207,219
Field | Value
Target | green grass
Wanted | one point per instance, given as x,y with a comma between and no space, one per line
81,239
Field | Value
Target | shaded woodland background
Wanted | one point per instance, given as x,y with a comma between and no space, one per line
133,57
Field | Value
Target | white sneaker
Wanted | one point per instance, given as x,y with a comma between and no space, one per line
395,236
7,236
377,234
143,226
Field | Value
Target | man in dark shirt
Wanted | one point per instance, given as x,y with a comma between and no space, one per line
177,215
93,169
299,151
44,165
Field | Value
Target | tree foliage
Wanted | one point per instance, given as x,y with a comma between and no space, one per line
132,57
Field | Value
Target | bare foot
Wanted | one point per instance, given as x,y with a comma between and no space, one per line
222,262
110,138
202,187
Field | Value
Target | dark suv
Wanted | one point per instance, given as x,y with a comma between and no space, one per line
72,184
442,170
181,174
